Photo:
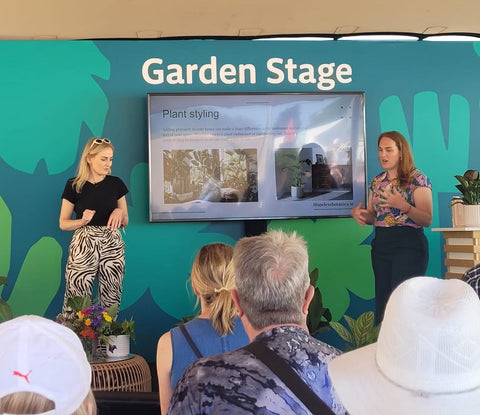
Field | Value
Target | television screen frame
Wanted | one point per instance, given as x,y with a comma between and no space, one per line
235,156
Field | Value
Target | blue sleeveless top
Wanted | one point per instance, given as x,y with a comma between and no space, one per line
207,340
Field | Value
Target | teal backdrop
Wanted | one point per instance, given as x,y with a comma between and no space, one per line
54,95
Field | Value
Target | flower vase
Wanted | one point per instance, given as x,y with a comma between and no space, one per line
91,348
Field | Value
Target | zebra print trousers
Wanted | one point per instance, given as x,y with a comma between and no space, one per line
96,252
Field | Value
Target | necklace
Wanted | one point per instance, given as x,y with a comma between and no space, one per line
391,179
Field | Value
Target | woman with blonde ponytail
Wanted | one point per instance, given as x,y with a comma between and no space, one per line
216,329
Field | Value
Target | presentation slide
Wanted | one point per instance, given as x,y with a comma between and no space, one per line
255,156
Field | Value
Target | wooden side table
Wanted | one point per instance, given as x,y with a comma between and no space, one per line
129,375
462,247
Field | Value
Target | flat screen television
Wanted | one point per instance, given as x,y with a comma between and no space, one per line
228,156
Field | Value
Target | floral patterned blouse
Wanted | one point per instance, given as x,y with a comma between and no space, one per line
387,216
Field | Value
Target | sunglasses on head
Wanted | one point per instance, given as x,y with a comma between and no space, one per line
100,141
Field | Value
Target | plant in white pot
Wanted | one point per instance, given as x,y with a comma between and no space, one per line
118,336
297,175
469,187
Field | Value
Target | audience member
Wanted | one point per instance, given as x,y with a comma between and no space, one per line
43,369
427,357
472,278
272,295
216,330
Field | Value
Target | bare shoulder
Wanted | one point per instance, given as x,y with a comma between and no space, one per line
165,341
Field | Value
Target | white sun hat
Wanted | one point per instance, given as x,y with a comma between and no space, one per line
42,356
427,357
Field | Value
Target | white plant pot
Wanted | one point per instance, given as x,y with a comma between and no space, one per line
296,192
118,346
457,215
471,216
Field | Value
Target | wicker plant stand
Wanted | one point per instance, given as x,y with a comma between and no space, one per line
129,375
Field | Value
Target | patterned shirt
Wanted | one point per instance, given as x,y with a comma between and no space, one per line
472,277
237,383
387,216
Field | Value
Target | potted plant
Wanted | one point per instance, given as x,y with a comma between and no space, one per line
118,338
469,187
5,309
296,174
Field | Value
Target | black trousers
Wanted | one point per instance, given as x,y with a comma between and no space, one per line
398,253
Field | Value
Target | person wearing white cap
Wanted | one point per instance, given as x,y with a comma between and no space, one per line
427,357
43,369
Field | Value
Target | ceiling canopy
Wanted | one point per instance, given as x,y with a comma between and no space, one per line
132,19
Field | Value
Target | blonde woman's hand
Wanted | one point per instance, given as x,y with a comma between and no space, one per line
116,219
87,215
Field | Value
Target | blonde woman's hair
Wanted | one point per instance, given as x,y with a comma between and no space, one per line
34,403
407,163
94,146
213,279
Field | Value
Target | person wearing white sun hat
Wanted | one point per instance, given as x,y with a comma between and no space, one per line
43,369
427,357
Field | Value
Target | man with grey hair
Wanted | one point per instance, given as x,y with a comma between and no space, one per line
272,295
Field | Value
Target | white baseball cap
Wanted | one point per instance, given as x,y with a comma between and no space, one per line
427,357
42,356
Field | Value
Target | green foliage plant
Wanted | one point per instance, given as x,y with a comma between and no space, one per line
360,332
119,328
234,169
5,309
177,168
296,170
469,187
318,317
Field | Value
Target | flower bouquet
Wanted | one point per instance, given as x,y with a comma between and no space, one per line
91,323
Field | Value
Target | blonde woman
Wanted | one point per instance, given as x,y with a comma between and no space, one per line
97,249
216,329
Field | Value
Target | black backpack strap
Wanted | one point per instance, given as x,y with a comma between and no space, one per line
288,376
190,341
